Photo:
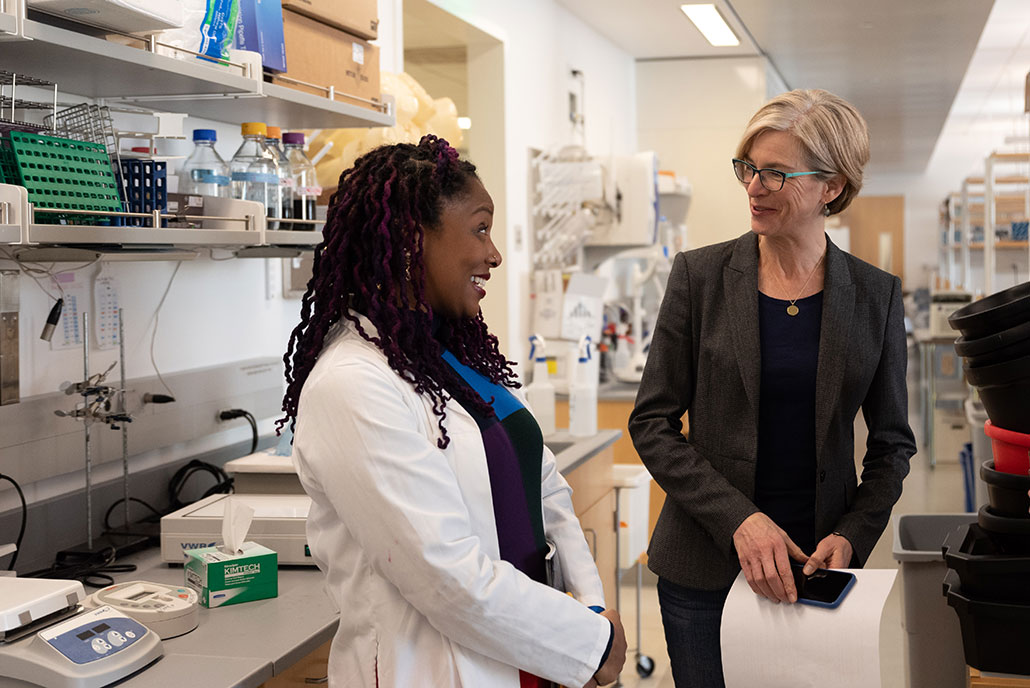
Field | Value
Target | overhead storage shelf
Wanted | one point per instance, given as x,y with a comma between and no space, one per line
93,67
275,104
140,236
286,237
8,23
242,229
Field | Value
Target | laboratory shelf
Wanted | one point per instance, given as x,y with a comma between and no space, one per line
999,245
297,109
286,237
8,23
70,235
10,234
96,68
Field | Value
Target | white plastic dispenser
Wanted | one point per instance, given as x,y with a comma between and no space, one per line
583,392
540,392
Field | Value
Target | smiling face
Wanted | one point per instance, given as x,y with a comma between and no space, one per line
459,253
797,208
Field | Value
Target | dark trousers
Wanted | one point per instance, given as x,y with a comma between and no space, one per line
692,619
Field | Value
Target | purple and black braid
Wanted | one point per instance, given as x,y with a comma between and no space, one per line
370,261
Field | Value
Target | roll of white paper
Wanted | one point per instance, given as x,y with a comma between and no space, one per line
803,646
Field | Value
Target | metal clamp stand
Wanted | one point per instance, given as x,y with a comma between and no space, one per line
96,407
645,665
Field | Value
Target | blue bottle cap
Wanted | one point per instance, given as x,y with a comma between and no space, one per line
205,135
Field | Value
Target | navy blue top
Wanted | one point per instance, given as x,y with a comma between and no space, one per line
786,473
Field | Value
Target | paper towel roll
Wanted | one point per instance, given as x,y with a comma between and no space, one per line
801,646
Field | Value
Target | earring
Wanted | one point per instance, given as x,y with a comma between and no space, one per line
826,210
407,266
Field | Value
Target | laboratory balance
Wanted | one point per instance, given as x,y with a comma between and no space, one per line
48,639
280,522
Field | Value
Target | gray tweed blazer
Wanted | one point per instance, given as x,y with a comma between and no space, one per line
705,359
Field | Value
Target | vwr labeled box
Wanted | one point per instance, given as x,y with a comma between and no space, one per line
323,56
358,17
222,579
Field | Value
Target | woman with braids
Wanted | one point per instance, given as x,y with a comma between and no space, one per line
435,504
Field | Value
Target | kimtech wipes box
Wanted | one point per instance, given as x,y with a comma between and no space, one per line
221,578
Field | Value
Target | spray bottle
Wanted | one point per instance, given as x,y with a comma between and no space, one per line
583,392
540,392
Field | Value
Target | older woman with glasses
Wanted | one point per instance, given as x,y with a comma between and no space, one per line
772,343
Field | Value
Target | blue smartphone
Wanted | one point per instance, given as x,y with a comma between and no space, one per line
824,588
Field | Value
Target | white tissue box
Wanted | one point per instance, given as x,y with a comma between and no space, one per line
221,579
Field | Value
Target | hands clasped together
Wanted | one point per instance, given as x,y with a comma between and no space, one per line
765,551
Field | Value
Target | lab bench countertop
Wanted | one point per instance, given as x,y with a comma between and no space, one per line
239,645
245,645
571,452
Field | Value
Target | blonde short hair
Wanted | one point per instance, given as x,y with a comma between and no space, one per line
832,133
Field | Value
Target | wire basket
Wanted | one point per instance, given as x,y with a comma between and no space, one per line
92,124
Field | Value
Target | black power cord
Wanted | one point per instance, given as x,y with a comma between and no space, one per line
230,414
107,516
24,518
223,483
90,568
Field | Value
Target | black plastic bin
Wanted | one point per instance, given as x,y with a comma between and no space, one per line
1007,492
994,313
985,572
995,635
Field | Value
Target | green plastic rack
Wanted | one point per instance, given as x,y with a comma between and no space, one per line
62,173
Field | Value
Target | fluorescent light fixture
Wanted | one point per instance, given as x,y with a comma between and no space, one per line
711,24
465,123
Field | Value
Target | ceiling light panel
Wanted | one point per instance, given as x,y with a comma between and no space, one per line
711,24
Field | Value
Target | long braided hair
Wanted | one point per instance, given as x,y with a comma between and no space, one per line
370,261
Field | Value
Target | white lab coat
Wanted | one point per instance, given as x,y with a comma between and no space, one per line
405,534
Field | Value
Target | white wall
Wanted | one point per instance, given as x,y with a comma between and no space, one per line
692,112
542,42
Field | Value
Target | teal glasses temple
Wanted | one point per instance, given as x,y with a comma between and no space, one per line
771,179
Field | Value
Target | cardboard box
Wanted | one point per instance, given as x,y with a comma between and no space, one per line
222,579
259,28
357,17
321,55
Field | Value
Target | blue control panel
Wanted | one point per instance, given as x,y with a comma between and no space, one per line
97,639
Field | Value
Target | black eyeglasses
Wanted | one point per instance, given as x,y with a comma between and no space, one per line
771,179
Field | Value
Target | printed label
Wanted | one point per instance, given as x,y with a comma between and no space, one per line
358,53
255,177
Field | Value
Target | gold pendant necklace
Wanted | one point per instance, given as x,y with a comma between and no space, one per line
792,309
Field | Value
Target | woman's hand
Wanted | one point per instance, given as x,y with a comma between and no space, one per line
764,551
832,552
612,666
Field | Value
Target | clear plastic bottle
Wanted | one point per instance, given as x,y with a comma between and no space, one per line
273,139
204,172
255,171
303,180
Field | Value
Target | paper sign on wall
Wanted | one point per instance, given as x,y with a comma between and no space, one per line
583,307
547,303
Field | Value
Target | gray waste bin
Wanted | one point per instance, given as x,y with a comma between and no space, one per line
935,655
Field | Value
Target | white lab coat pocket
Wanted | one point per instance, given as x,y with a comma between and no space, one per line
552,565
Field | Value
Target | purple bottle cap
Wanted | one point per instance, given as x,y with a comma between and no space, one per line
294,137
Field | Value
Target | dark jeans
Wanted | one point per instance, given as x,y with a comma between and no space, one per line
692,619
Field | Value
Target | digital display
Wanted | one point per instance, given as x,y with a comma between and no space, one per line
100,628
138,596
84,635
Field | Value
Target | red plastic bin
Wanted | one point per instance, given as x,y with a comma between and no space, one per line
1011,449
